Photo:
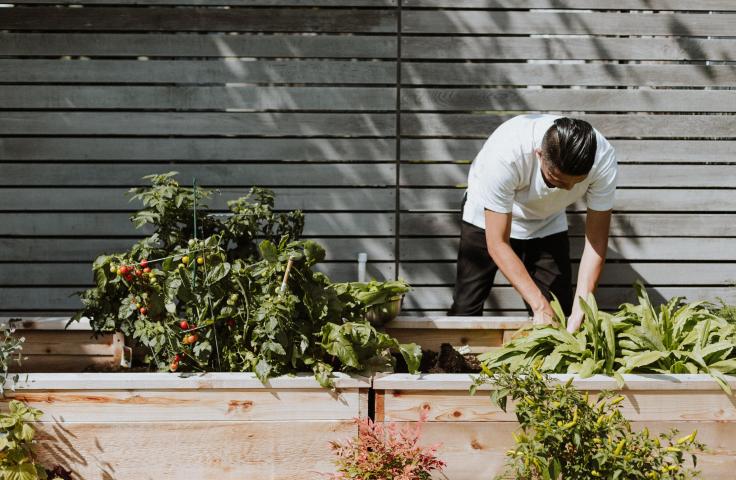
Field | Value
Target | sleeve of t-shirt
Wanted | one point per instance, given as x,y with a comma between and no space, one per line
495,183
601,192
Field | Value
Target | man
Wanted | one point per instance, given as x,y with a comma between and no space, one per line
528,171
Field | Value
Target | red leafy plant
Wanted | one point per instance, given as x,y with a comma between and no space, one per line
385,452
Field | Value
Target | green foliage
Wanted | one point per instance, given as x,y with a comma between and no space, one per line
10,351
363,295
216,304
677,337
564,435
16,441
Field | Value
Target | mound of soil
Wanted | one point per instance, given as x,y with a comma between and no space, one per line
448,360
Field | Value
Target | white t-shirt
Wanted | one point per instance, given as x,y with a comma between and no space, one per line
505,177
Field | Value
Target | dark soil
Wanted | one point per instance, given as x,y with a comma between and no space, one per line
59,472
448,360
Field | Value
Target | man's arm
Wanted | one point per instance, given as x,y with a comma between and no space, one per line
597,226
498,232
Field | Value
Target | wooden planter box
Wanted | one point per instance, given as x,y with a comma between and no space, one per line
135,426
475,434
50,347
481,334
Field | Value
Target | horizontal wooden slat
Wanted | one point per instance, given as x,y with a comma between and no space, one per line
197,124
550,74
281,175
199,45
458,323
567,23
644,151
724,5
37,274
199,19
196,72
619,248
627,199
631,126
593,100
86,249
609,298
211,405
118,224
683,176
199,98
229,3
333,199
225,450
575,48
479,341
622,224
49,342
621,274
197,149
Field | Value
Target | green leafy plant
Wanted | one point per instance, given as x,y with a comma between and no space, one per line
363,296
565,435
243,298
17,461
677,337
10,351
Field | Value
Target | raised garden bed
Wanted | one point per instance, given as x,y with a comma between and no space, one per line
214,425
475,434
50,347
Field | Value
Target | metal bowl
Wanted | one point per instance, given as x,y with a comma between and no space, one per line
380,314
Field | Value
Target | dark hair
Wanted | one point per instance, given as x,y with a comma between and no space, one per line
570,145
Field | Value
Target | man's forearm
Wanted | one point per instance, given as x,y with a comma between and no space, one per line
515,272
591,267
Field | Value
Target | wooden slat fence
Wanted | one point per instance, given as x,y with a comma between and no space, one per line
366,114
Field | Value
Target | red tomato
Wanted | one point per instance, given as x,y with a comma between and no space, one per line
147,270
143,310
144,263
184,325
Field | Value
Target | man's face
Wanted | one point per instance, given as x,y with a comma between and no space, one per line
553,177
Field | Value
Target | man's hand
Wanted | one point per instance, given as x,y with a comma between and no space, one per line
575,319
543,314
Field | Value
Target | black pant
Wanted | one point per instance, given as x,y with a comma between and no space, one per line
547,260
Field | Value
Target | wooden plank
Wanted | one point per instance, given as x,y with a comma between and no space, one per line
639,406
211,405
80,274
612,126
225,175
614,274
627,200
622,224
460,383
233,70
86,249
640,151
46,323
93,149
118,224
497,74
185,382
207,45
229,3
458,323
75,342
479,341
681,176
619,248
722,5
162,19
112,199
561,99
63,363
222,450
194,124
573,48
609,298
249,98
565,23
